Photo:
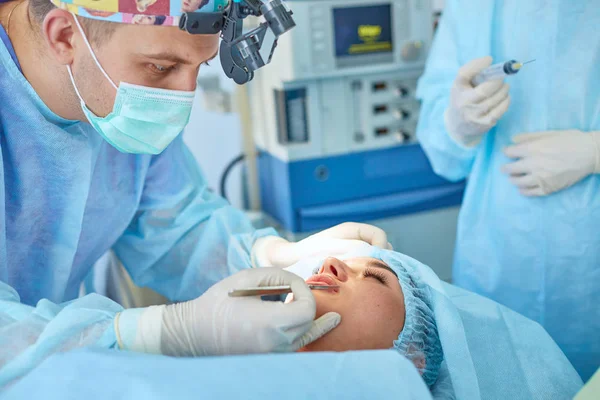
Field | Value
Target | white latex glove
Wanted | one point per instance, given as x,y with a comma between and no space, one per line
473,111
272,251
553,160
216,324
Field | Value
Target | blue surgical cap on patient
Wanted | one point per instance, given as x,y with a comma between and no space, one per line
419,340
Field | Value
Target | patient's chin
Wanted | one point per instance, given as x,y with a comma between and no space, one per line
336,340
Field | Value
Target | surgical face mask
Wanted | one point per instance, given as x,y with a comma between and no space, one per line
309,266
144,120
306,267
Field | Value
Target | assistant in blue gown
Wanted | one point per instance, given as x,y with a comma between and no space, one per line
538,256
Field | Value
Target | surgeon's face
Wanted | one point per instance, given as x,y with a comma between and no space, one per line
369,299
155,56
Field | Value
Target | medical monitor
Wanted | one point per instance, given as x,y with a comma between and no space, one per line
349,37
363,35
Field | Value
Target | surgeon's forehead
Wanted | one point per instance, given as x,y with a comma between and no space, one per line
150,39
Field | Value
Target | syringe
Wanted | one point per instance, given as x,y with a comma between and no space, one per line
499,71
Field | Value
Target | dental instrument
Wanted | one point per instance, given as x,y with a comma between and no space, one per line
273,290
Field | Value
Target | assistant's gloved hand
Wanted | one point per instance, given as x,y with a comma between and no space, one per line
474,110
553,160
216,324
272,251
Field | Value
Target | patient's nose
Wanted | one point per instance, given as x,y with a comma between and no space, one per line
336,268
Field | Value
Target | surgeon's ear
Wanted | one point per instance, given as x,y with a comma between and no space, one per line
58,28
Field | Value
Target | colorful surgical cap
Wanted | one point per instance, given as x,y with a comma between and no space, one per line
142,12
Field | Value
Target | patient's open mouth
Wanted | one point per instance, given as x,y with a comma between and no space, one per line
324,280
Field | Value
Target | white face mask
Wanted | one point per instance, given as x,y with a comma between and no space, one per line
144,120
307,267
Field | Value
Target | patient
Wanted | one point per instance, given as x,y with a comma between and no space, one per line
369,299
382,307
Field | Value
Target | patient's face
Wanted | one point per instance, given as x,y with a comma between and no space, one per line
369,299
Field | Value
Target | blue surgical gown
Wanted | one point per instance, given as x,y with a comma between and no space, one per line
538,256
67,198
490,353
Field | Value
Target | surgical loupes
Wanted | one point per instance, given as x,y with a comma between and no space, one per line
243,53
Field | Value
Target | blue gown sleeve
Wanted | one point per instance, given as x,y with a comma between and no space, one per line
29,335
448,158
184,237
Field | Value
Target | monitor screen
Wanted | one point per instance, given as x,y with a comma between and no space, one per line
363,30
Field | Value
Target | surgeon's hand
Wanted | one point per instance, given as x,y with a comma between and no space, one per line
216,324
272,251
473,111
547,162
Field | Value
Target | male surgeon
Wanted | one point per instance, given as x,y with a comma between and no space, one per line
92,159
528,231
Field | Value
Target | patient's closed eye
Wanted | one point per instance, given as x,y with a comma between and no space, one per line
372,273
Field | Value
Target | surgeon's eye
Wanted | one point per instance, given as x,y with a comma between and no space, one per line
159,69
373,273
